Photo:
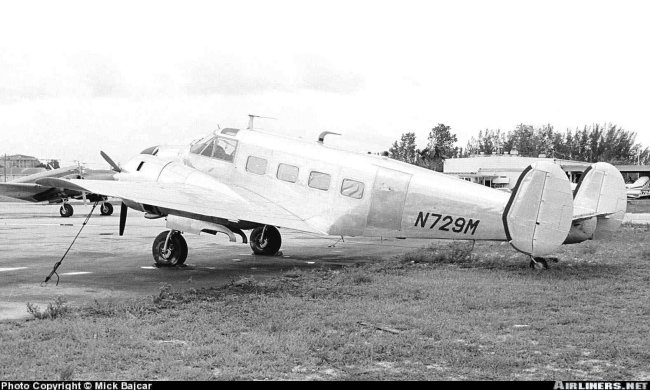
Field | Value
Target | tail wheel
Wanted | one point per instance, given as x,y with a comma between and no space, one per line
174,254
66,210
106,209
265,240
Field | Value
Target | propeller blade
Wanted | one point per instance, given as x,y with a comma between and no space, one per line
123,209
110,162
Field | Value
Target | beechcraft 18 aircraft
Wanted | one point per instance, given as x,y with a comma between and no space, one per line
26,188
235,180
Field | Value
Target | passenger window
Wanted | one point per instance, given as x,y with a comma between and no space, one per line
352,188
288,173
319,180
256,165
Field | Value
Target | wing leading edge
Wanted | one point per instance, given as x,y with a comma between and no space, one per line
235,204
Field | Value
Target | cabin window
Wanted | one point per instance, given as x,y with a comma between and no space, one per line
319,180
352,188
216,147
288,173
256,165
229,131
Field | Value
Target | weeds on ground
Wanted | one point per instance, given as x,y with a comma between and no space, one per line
455,253
645,254
54,309
66,373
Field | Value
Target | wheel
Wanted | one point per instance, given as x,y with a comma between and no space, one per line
66,210
539,263
106,209
268,245
176,252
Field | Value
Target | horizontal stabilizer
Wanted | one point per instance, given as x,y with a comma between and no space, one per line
538,215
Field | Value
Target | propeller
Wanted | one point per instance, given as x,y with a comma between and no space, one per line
123,210
110,162
123,207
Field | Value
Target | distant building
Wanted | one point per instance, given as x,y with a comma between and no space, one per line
18,165
20,161
502,171
632,172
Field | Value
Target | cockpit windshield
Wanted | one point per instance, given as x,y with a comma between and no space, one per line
217,147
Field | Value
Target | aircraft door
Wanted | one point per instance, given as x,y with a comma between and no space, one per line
388,197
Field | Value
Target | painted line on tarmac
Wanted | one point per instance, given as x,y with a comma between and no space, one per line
148,267
11,269
77,273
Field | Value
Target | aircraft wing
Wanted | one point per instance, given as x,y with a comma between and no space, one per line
230,202
27,191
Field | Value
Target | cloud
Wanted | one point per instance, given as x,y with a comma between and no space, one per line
45,74
228,74
318,74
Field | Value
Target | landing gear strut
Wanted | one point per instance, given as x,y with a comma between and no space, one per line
106,209
265,240
169,249
538,262
66,210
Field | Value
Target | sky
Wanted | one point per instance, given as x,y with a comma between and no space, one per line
77,77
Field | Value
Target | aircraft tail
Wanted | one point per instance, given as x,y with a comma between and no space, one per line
600,201
538,216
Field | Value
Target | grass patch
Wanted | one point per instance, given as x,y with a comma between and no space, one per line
54,309
432,314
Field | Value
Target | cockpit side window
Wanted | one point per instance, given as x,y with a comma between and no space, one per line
216,147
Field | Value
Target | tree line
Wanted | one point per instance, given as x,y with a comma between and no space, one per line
608,143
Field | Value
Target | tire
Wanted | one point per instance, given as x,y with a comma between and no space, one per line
271,243
176,249
106,209
66,210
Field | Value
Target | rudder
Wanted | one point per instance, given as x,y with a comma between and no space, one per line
538,216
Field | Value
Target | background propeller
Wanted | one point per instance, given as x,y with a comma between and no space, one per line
110,162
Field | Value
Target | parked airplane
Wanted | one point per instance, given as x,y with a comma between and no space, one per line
235,180
639,189
26,188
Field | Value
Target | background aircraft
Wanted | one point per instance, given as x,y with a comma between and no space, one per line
26,188
235,180
639,189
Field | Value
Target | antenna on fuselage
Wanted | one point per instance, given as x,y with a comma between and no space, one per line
321,136
251,119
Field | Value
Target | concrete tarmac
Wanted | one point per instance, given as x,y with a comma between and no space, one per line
102,265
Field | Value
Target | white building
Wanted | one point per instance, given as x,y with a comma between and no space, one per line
502,171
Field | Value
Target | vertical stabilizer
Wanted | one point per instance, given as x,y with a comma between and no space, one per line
538,215
601,194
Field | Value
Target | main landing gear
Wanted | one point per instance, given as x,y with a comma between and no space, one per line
66,209
106,209
265,240
170,248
